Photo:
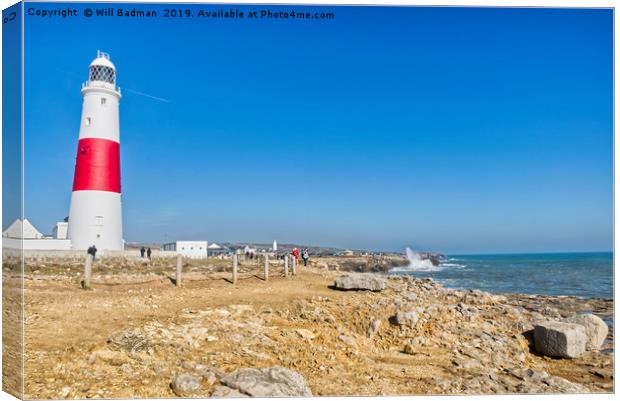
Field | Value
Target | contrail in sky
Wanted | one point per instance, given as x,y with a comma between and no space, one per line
161,99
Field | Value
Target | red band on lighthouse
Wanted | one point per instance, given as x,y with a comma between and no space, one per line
97,166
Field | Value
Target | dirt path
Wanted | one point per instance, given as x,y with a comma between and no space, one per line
80,317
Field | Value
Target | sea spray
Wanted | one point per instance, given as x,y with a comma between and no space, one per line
416,263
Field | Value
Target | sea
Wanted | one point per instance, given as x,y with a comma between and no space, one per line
588,275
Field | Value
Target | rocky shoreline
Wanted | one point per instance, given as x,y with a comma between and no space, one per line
496,357
296,336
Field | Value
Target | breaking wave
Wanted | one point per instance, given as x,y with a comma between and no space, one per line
416,263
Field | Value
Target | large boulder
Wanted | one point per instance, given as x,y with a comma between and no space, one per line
276,381
596,329
566,340
370,282
185,385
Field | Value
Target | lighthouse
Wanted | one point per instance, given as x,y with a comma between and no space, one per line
95,216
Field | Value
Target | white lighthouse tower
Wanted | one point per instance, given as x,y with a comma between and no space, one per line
95,215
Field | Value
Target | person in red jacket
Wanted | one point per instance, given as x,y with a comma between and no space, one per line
296,254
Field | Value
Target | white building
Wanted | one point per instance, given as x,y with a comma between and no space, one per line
217,249
60,230
23,235
23,230
191,249
247,250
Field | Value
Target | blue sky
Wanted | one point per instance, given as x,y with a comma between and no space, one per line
449,129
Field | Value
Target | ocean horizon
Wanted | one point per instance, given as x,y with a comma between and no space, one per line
581,274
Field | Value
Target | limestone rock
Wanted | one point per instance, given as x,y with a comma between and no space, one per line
567,340
410,296
413,344
347,340
550,312
185,385
226,392
595,327
409,318
128,340
64,392
467,363
374,327
561,385
370,282
210,374
126,368
276,381
527,373
304,333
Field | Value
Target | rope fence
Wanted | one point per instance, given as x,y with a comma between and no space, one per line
235,270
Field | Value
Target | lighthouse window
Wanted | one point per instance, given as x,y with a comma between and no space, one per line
103,100
87,121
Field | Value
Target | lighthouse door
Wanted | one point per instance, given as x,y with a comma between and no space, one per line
98,227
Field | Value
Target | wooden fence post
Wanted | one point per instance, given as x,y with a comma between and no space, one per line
266,267
294,264
87,271
177,279
235,262
285,265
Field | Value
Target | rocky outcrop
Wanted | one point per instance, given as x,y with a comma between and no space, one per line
276,381
435,258
595,329
369,282
128,340
362,264
566,340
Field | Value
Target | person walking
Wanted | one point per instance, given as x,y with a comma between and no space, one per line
296,254
142,252
148,254
92,250
305,256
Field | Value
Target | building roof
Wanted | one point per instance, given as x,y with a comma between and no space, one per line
19,230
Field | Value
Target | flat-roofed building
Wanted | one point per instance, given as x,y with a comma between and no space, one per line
191,249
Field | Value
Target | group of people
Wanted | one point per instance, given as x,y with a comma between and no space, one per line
305,255
148,252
